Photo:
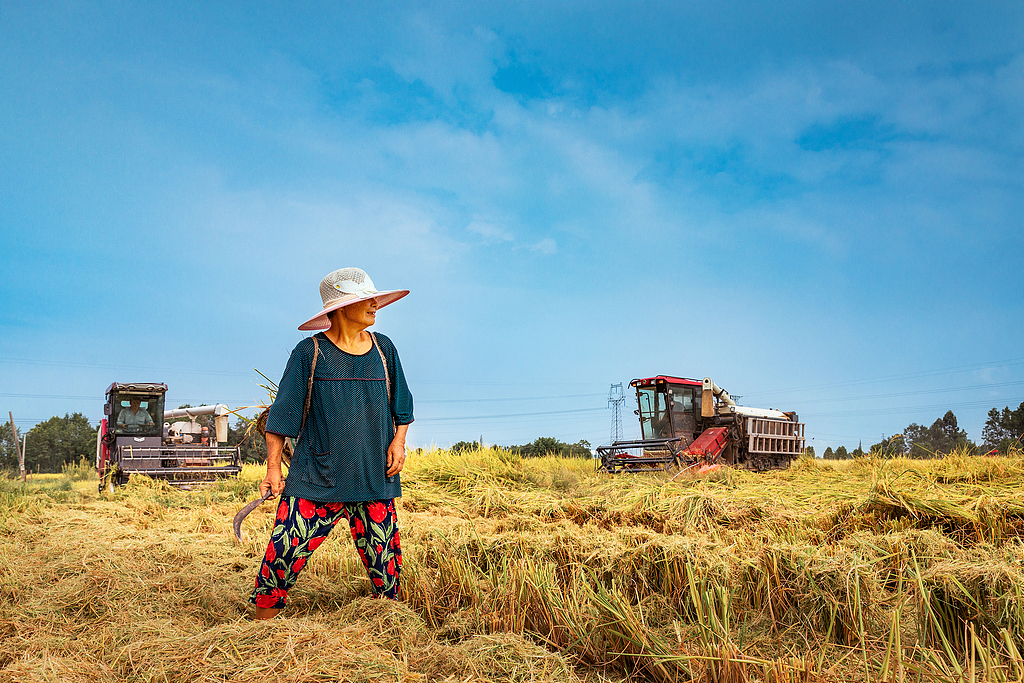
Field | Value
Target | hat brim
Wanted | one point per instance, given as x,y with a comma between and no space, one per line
321,322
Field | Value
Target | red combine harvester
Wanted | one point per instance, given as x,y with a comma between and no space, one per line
688,423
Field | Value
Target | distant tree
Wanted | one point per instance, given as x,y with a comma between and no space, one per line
581,449
952,436
8,453
1004,428
252,447
893,447
841,453
942,438
547,445
918,441
58,441
829,454
809,451
464,446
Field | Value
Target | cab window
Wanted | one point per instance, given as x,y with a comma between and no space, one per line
137,414
655,422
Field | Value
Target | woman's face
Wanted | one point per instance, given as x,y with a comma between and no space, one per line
363,313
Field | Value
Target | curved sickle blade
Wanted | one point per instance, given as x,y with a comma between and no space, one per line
244,512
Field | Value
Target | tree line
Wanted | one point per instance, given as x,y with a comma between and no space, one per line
541,446
63,440
1004,429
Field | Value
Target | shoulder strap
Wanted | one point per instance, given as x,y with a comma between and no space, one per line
309,387
387,375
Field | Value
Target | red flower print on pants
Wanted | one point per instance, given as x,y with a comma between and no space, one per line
270,600
300,531
265,601
377,511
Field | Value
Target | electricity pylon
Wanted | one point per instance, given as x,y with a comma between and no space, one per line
616,400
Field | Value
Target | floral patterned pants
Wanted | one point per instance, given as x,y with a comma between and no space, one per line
302,525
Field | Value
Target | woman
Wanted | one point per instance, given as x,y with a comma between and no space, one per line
349,412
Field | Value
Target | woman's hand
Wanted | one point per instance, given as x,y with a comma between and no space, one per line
273,482
396,451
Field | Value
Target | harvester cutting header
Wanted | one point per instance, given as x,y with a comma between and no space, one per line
688,422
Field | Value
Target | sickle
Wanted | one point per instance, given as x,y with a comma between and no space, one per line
237,523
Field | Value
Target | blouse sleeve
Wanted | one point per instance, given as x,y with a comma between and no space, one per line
401,398
286,412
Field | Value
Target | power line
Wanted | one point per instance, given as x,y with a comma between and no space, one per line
58,396
889,378
101,366
922,392
192,371
495,417
905,409
501,400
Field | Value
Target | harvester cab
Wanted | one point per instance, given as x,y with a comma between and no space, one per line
138,436
668,407
131,409
687,423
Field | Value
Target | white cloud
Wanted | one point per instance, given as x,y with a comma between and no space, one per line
491,232
545,246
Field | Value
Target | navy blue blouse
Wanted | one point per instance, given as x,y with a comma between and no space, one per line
341,455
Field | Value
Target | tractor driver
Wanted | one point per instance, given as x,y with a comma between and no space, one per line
135,415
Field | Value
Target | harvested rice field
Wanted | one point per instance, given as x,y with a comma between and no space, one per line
537,570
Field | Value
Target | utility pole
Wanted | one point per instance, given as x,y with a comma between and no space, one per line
17,448
616,400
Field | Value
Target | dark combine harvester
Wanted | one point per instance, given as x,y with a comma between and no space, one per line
688,422
135,439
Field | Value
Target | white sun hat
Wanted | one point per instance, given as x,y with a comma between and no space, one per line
344,287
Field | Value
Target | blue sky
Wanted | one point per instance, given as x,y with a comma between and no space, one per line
816,204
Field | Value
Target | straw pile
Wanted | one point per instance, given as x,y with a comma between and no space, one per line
538,570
